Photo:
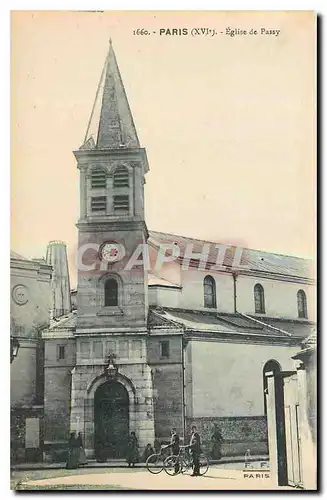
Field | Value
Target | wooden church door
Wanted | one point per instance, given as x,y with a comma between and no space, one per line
111,421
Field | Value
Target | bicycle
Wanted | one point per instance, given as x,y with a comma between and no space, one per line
185,462
155,462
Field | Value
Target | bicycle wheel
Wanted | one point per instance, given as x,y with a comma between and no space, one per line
204,465
172,465
154,463
186,466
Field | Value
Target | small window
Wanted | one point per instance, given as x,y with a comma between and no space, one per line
111,293
121,203
302,304
164,349
121,178
259,299
99,204
98,179
209,292
61,352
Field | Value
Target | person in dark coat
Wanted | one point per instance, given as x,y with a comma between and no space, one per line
147,452
132,450
82,457
174,445
195,447
73,452
217,440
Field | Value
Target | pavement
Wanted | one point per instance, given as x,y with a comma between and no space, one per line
216,479
122,463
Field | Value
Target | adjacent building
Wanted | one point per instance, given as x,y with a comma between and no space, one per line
30,303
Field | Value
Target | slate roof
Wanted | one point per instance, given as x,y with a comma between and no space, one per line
233,324
157,281
297,328
17,256
257,260
64,322
311,340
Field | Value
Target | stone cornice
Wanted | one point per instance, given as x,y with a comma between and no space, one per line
241,338
84,156
58,334
113,224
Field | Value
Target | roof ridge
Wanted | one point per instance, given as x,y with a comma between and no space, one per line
231,245
266,324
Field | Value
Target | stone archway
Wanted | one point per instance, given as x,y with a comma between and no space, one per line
122,390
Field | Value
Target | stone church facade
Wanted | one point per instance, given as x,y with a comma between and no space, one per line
159,337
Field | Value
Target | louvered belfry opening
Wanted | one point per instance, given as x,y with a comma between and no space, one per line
121,203
98,179
98,204
121,178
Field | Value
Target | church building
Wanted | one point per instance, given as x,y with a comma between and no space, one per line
166,330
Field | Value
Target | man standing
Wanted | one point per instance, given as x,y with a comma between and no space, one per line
195,447
174,445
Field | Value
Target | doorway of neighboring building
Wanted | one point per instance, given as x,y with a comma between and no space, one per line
111,421
277,401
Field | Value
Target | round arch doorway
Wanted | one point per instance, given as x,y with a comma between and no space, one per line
111,421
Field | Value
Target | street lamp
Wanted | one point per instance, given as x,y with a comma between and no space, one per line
14,347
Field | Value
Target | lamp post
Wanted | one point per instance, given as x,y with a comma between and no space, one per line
14,347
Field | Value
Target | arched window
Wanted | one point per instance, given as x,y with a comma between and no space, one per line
98,179
270,366
121,177
209,292
302,304
259,299
111,292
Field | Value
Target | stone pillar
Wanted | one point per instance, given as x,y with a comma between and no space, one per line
77,403
83,191
144,414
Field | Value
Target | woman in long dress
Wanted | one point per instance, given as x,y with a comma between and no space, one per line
73,452
147,452
216,440
132,450
82,457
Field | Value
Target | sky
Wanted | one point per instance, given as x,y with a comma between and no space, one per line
228,123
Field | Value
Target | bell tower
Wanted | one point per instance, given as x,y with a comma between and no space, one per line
111,293
108,401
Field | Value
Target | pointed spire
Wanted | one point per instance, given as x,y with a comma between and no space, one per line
116,127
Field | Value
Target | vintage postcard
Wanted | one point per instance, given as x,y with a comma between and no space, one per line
163,283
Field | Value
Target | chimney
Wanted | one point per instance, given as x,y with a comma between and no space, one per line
57,258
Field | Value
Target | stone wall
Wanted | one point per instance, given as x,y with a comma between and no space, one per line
57,386
168,405
167,379
239,434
